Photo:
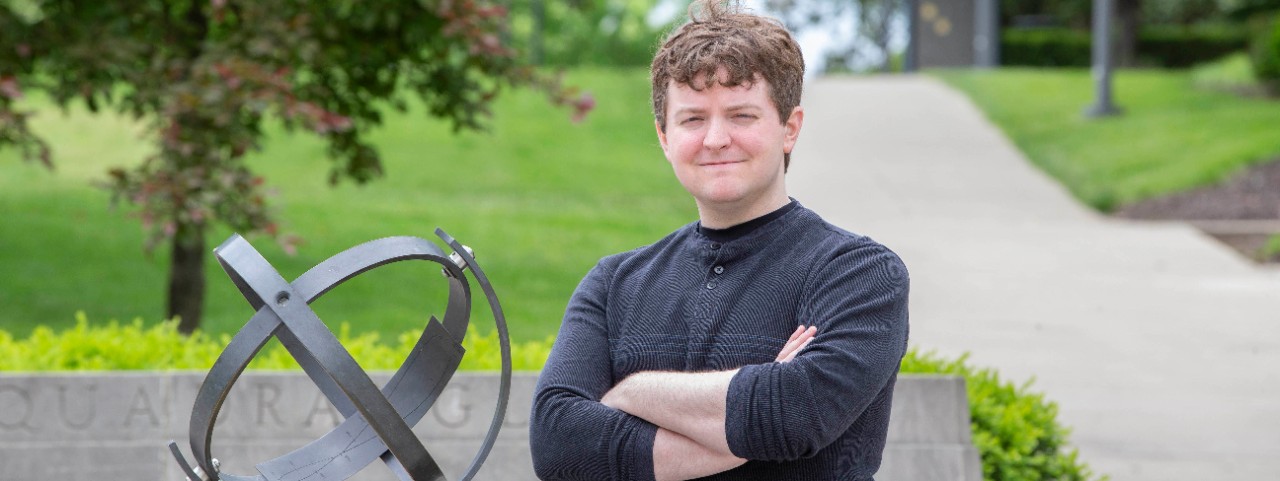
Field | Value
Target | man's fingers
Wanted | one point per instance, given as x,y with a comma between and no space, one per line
807,333
798,340
792,355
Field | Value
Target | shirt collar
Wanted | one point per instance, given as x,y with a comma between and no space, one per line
738,231
750,242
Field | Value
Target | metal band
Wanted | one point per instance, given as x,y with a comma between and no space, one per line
237,257
504,341
378,422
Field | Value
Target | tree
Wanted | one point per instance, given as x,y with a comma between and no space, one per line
587,32
873,29
205,74
875,22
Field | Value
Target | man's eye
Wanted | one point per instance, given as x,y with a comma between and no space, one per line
691,119
744,116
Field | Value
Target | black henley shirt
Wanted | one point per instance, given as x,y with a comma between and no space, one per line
691,303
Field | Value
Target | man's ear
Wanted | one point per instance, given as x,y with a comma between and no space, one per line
662,136
794,122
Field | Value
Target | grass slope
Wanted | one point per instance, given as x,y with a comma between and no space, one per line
539,198
1171,137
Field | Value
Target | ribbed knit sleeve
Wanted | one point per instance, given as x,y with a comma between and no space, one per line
787,411
572,436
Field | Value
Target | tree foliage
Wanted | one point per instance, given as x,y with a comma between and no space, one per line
1077,13
205,74
587,32
1132,17
873,26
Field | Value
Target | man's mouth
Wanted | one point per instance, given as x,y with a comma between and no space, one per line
721,162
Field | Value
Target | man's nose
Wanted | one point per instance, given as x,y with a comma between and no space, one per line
717,135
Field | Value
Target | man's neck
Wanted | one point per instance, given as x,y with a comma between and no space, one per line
721,216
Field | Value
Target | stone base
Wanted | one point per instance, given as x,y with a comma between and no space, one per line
74,427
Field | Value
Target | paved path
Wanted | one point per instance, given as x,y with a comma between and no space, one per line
1161,346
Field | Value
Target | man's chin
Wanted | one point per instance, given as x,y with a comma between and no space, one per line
724,199
721,193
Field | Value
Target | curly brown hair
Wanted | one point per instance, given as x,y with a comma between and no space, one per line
720,35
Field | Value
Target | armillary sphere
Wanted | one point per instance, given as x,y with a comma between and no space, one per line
377,422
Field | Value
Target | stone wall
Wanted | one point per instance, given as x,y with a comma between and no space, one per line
72,427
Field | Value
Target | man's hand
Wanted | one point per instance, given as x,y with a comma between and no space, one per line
690,410
799,339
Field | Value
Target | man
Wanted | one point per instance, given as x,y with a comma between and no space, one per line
759,343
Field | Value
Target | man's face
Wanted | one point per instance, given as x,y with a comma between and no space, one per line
726,144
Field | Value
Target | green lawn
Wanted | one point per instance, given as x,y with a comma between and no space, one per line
1171,137
538,197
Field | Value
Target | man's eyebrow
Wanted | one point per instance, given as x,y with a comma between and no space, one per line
689,110
744,106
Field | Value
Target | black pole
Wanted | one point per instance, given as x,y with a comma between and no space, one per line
910,60
1103,10
987,34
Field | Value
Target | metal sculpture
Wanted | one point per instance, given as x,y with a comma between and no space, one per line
377,422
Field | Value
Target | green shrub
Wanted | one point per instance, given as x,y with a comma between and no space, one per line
130,346
1264,50
1233,73
1015,430
110,346
1168,47
1180,47
1247,9
1270,250
1045,47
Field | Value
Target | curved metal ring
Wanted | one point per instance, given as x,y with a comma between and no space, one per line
504,342
413,389
310,286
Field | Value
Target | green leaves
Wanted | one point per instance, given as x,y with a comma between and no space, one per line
205,74
110,346
116,346
1015,430
1264,50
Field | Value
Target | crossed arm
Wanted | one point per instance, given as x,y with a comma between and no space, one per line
689,410
587,425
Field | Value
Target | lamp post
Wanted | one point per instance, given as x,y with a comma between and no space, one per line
1102,106
986,40
910,58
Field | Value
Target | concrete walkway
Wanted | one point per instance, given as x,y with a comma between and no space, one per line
1160,346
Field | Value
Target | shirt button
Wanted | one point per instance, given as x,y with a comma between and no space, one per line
719,269
711,285
715,245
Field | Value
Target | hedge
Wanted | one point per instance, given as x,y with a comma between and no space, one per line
1169,47
1264,51
1015,429
1045,47
116,346
1177,47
